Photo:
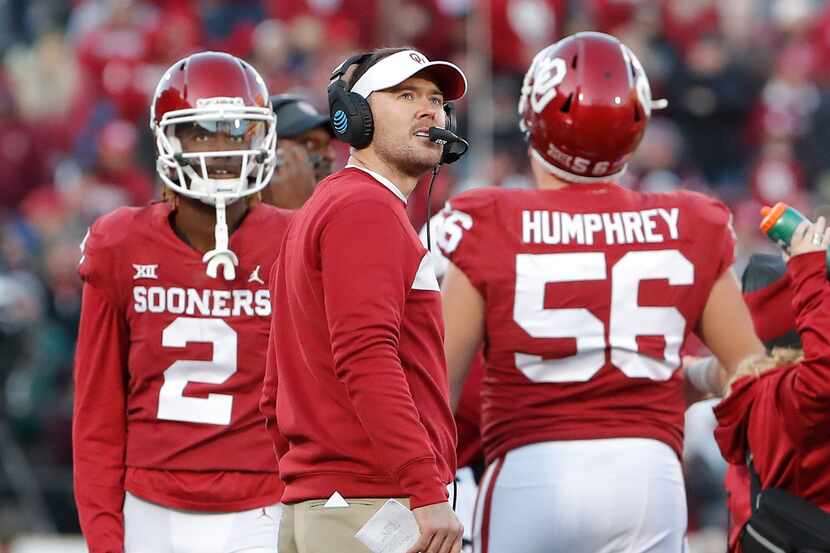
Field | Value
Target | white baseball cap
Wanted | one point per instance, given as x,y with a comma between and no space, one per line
395,69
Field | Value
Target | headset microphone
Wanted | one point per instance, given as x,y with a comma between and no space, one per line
454,145
454,148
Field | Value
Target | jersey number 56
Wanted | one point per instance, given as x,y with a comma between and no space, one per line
627,319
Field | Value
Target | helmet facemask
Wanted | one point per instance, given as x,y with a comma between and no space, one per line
187,172
193,173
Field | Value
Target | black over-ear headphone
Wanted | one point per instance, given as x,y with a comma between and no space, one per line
449,154
351,116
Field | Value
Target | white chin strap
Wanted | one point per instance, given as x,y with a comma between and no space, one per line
221,256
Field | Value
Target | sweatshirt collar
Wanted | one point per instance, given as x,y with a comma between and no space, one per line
383,180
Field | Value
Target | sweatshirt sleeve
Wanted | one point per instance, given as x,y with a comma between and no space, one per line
804,394
268,401
99,424
369,264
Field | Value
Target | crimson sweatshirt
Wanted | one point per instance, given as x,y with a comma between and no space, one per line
783,417
357,378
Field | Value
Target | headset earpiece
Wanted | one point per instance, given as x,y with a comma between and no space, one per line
351,116
447,154
450,125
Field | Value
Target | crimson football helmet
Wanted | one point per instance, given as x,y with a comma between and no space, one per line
220,94
584,107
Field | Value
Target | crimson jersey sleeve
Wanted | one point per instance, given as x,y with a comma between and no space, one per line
716,240
804,393
365,313
714,221
100,251
461,237
99,409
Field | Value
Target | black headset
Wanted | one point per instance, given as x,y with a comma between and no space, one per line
351,116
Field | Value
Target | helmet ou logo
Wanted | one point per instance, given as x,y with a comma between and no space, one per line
417,58
549,74
641,83
644,92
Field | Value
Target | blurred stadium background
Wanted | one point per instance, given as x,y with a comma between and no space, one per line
748,85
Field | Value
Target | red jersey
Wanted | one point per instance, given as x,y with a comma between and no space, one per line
783,417
359,381
468,416
590,292
168,372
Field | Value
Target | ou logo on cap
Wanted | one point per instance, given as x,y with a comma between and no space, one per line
417,58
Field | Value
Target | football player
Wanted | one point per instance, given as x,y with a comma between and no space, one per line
584,293
171,453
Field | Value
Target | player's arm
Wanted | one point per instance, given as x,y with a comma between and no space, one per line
463,326
726,326
368,270
99,427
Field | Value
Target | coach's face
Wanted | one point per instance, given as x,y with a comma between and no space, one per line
403,114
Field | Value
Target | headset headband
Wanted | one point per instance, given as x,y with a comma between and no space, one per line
341,69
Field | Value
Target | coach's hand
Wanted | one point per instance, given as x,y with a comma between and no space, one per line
441,530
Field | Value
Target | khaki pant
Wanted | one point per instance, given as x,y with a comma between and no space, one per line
309,527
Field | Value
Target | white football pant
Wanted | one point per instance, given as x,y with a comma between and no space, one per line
151,528
583,496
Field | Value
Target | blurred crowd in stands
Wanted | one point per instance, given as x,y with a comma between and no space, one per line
747,82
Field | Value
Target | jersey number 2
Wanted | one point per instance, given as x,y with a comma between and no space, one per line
215,408
627,319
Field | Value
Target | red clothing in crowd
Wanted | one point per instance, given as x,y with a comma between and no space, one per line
684,23
363,15
783,417
23,163
359,381
168,372
523,28
132,180
114,57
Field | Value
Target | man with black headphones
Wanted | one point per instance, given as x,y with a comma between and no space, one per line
363,410
305,155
